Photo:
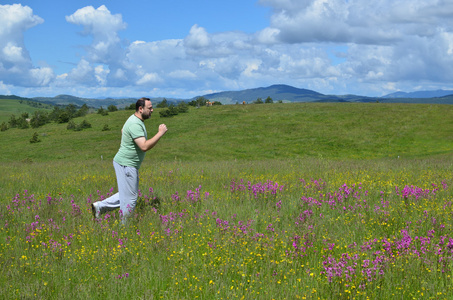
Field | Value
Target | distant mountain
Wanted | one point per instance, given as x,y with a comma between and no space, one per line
93,102
420,94
96,103
277,92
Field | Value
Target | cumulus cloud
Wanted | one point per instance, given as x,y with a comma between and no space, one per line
104,27
387,41
360,21
149,78
336,46
16,67
198,38
106,47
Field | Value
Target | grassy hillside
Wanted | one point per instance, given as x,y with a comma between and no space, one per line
16,107
254,132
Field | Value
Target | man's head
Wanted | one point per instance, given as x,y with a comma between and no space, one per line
143,108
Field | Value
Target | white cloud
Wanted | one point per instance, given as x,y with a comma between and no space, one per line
268,35
337,46
148,78
83,74
16,67
13,53
16,19
197,38
42,76
106,47
101,74
360,21
4,89
100,23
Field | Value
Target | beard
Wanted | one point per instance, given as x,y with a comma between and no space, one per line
146,116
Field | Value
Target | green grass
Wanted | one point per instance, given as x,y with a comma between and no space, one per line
285,193
255,132
10,107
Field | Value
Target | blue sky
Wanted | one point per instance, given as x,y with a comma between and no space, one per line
182,49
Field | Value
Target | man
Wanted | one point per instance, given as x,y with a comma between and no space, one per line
134,144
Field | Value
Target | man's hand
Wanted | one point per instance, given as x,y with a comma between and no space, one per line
162,129
145,144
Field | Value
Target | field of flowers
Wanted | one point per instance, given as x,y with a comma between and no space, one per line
300,229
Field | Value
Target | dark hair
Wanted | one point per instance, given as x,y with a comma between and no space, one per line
141,103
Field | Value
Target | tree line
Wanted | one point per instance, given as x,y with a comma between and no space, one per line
65,114
59,115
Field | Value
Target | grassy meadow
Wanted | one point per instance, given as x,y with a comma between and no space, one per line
16,107
272,201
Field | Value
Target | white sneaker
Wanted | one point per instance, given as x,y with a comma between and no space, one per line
96,210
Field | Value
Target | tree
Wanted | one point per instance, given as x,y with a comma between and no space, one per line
63,117
39,118
12,121
162,104
258,101
183,107
82,111
71,109
268,100
102,111
112,108
200,101
53,116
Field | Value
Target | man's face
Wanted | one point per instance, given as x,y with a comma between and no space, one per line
147,110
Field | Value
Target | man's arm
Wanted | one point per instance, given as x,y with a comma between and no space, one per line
145,144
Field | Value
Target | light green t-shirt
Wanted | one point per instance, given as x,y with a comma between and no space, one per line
129,154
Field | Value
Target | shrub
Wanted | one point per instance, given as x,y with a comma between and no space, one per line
63,117
170,112
71,125
4,126
79,127
112,108
35,138
82,111
85,124
39,118
200,101
162,104
258,101
106,127
102,111
22,123
12,121
183,107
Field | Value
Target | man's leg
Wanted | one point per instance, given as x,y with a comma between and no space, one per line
126,198
127,189
113,201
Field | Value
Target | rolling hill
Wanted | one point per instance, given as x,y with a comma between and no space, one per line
420,94
277,92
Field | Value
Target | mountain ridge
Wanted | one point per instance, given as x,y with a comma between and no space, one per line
278,92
